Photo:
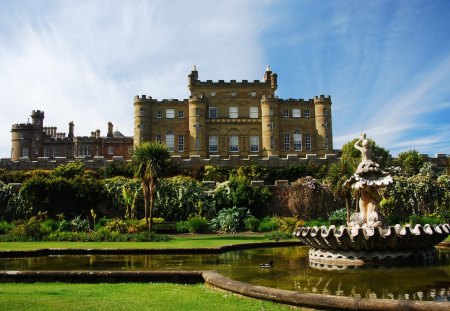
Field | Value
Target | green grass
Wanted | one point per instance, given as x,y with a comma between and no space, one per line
138,296
180,241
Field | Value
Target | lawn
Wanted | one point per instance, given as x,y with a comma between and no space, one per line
178,241
137,296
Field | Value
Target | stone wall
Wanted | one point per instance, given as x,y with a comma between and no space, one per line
194,161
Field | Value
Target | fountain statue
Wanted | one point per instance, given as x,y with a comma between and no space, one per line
368,238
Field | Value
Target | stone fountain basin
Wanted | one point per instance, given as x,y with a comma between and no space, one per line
370,239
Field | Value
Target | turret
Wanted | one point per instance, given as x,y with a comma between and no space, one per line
269,125
324,134
271,78
142,119
192,78
37,119
197,125
110,130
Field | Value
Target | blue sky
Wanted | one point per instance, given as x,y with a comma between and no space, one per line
385,63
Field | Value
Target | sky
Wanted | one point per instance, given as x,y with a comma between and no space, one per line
385,63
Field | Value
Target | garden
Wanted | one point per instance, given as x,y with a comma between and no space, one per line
121,202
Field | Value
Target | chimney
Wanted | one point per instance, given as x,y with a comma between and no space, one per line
71,126
110,130
97,133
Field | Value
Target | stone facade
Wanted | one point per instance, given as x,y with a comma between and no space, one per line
243,119
32,141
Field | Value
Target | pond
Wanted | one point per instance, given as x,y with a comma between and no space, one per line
291,271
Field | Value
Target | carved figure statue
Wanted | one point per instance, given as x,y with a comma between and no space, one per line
367,178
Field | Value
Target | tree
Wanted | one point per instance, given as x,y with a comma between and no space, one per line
338,174
149,161
379,154
411,162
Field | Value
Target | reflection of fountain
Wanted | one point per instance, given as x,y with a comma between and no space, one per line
368,238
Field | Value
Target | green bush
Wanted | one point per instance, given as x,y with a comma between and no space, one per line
79,225
48,226
268,224
5,227
117,225
338,217
278,235
317,222
198,225
182,226
230,220
288,224
251,224
432,219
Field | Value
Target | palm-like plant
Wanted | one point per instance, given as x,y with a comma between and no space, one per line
149,161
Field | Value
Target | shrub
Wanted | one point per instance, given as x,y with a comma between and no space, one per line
432,219
268,224
251,224
117,225
288,224
182,226
48,226
198,225
79,225
5,227
338,217
230,220
278,235
317,222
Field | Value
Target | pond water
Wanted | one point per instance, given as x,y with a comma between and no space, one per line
291,271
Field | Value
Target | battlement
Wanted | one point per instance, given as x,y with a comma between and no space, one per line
149,99
22,126
322,98
37,113
231,83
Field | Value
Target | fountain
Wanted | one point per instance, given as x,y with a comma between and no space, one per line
367,238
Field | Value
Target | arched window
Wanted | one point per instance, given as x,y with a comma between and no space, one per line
170,141
297,141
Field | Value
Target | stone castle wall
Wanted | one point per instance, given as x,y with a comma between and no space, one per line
193,161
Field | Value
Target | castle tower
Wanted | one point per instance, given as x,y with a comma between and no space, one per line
324,132
271,78
27,137
269,126
197,125
142,119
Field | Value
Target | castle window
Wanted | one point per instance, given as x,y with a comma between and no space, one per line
141,112
254,143
180,143
38,122
254,112
170,141
308,142
55,152
170,113
287,142
271,112
213,142
326,124
272,142
286,113
234,143
36,151
297,141
326,143
307,114
180,114
110,150
159,138
46,152
325,112
159,114
213,112
296,113
25,152
84,150
197,112
197,143
234,113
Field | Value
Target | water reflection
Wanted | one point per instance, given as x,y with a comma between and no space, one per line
291,271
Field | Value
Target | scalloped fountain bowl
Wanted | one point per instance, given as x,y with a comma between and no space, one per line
360,246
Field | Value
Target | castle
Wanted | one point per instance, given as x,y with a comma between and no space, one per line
220,121
33,141
235,119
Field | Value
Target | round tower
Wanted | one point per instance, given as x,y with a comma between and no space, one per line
269,126
324,136
22,141
197,125
142,119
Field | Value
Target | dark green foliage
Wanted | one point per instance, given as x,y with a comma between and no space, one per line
12,176
182,226
69,170
338,217
268,224
317,222
410,161
115,169
251,224
278,235
198,225
230,220
292,173
5,227
427,219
